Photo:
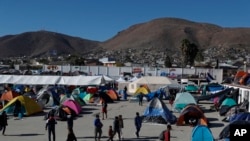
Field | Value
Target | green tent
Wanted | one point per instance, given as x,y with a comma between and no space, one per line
229,102
78,99
182,100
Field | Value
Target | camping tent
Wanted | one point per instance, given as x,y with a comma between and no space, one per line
240,116
153,82
225,133
226,105
201,133
29,106
181,100
73,105
191,112
112,94
158,112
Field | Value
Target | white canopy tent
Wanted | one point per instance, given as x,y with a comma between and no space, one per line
52,80
153,82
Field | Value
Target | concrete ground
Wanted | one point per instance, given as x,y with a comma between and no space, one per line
33,128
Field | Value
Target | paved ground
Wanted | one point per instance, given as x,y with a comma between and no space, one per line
33,128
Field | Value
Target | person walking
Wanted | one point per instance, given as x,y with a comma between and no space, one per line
70,122
98,128
104,109
120,124
138,123
140,97
50,126
116,127
110,133
3,121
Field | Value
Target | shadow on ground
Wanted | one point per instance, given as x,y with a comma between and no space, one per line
214,125
142,138
28,134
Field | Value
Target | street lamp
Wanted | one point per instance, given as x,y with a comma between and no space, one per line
245,66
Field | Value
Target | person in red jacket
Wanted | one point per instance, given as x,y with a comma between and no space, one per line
167,134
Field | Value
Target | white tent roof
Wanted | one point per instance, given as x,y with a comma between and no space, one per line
154,80
120,80
52,80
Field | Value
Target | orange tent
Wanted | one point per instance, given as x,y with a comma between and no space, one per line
239,75
191,111
9,95
112,94
243,79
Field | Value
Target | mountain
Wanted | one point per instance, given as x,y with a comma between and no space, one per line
166,34
158,35
40,43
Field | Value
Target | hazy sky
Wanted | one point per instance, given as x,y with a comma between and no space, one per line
102,19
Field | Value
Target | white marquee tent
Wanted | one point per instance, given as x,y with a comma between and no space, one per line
52,80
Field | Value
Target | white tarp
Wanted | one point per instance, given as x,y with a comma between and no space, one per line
52,80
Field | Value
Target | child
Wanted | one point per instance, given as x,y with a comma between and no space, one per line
110,133
167,133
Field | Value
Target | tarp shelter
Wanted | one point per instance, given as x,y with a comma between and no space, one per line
157,112
73,105
153,82
182,100
201,133
29,106
9,95
217,94
191,112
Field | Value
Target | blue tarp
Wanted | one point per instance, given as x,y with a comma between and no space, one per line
240,116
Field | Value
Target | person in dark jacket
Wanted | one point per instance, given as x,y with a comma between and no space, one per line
71,135
98,128
138,123
50,125
116,126
140,97
3,121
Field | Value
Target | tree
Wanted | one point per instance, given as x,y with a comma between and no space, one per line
199,56
168,62
188,51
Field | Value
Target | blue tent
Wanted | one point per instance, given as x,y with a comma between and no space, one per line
201,133
158,93
182,100
240,116
225,133
157,112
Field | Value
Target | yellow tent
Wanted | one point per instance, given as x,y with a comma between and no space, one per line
28,105
142,90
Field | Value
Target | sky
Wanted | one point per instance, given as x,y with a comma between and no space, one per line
100,20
